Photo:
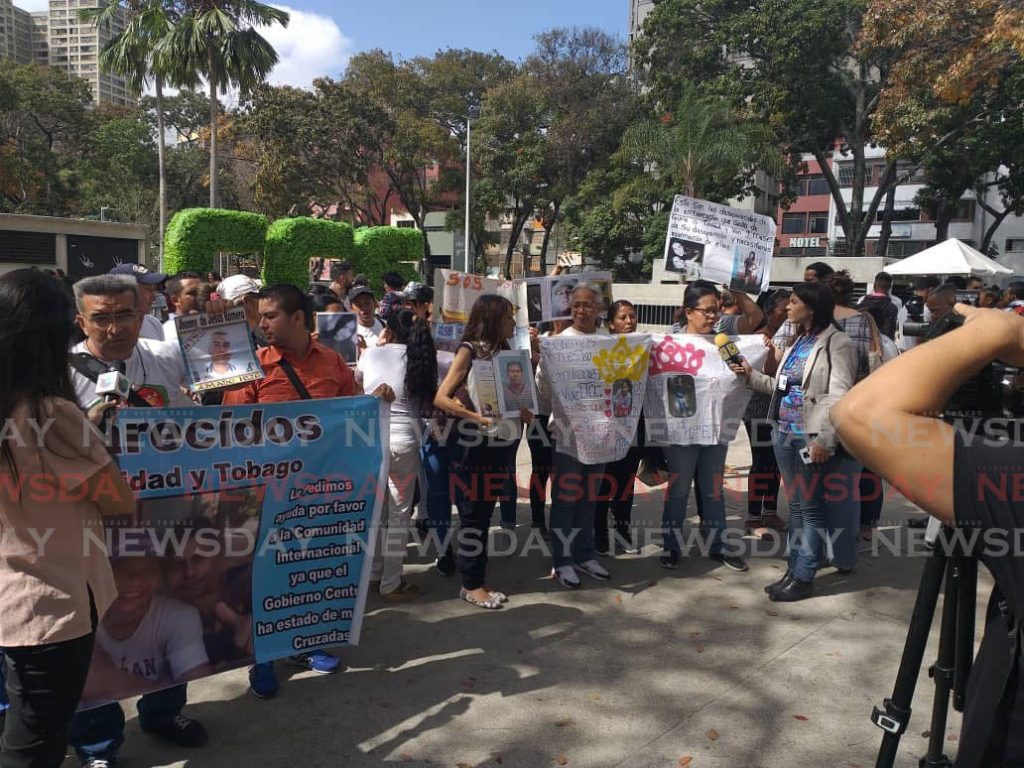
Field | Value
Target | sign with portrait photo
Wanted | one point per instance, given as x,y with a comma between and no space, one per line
516,386
725,245
556,293
218,350
248,542
337,331
693,397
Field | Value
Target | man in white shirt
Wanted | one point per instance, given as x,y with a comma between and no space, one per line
183,296
109,315
368,326
149,283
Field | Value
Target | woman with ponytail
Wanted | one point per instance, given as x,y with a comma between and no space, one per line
419,376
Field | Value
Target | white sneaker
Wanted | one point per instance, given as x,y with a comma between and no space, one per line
566,576
594,570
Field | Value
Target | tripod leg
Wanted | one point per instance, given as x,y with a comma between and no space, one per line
894,716
942,671
967,587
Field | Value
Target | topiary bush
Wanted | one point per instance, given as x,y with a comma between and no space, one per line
196,235
383,249
291,243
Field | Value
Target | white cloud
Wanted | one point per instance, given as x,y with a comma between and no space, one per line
311,46
33,5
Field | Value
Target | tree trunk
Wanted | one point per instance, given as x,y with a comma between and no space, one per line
518,219
213,127
547,237
943,216
998,218
883,238
161,162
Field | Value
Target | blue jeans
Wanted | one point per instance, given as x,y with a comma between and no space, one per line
574,490
99,732
439,465
706,464
809,488
842,511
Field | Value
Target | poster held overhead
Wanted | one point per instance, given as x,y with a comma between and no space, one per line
337,331
218,350
725,245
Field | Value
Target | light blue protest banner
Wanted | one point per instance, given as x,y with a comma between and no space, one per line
249,542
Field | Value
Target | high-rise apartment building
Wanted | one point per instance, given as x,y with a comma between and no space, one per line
58,38
638,10
15,32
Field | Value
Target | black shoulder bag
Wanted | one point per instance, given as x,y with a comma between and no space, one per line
293,377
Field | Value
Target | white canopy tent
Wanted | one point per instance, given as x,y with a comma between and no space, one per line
951,257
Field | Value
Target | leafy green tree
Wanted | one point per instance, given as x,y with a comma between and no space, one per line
581,75
43,121
795,67
218,40
510,151
119,167
136,55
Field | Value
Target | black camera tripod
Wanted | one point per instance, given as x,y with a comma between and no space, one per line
948,562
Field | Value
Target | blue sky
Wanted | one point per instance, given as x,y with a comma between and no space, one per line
411,27
323,34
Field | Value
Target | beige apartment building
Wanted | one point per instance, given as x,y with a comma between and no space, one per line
57,38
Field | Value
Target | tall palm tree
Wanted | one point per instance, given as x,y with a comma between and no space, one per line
702,139
219,41
133,54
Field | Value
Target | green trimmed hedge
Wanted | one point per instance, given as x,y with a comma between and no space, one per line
291,243
383,249
196,235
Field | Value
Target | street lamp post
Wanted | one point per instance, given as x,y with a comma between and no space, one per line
474,112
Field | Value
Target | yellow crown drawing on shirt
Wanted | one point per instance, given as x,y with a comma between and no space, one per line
621,362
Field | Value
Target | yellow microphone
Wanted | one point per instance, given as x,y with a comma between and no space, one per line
728,350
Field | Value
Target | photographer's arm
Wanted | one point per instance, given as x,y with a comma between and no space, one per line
887,421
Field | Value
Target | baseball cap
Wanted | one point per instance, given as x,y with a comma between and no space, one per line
140,273
419,292
238,286
360,290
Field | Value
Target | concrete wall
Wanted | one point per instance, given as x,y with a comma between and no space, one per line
62,229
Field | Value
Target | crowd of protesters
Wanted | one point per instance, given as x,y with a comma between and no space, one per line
819,341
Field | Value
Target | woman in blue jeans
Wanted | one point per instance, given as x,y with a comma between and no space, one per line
816,369
703,464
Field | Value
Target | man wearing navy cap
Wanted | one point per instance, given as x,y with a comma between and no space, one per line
148,283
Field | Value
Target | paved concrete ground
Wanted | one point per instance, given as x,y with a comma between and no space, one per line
642,672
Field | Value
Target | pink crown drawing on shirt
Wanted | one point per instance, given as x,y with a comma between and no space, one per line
669,356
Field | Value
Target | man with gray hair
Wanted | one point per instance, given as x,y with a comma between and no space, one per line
110,316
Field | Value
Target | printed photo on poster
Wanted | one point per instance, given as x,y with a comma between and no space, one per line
337,331
683,256
516,387
534,300
183,573
724,245
560,297
483,388
218,350
622,398
682,396
746,270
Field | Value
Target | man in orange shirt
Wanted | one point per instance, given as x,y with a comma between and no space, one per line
296,368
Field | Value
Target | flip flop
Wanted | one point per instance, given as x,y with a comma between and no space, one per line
492,603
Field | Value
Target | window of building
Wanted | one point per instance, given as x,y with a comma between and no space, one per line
816,185
794,223
1015,245
901,248
407,224
964,211
817,223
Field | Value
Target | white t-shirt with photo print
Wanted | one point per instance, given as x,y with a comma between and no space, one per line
167,644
